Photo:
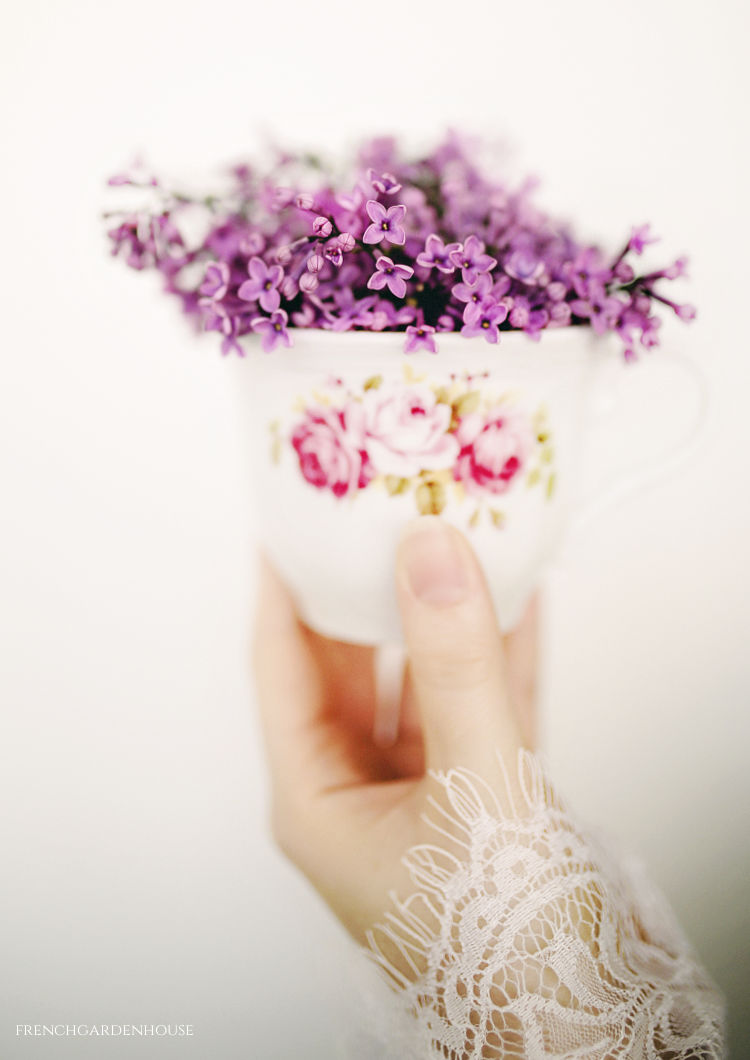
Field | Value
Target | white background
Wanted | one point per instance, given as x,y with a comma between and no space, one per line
138,884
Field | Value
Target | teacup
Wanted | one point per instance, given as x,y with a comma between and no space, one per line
351,437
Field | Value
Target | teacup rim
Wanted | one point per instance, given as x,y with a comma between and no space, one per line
368,348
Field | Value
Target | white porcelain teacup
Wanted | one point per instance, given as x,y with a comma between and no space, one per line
350,438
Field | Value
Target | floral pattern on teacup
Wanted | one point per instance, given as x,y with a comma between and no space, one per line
458,441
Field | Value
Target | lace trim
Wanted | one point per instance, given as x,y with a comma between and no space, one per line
528,938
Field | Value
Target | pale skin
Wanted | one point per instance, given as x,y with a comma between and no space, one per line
343,809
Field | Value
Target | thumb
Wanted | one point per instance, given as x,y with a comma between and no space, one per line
455,650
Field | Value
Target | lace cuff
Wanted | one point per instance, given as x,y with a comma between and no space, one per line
527,937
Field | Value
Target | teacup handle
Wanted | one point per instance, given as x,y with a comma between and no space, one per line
672,459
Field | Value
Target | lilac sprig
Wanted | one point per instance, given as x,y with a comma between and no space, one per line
421,246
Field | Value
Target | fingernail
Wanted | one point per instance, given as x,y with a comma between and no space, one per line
435,564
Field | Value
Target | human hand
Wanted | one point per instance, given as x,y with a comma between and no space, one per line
344,809
512,933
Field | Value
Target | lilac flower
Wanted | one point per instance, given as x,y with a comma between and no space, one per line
273,329
633,319
525,316
396,315
280,198
305,317
556,291
471,259
684,312
650,332
623,271
520,312
149,242
525,266
378,319
602,310
386,224
215,280
352,202
420,337
333,253
501,286
385,314
225,240
640,238
263,284
586,271
676,269
252,243
559,314
308,248
322,227
350,311
390,275
538,320
671,272
437,255
473,293
385,183
216,318
485,320
308,282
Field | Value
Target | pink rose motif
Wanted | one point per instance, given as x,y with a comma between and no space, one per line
406,431
494,449
329,445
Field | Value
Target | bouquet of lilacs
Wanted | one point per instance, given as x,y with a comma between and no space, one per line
419,245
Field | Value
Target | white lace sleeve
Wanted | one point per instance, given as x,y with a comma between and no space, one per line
533,938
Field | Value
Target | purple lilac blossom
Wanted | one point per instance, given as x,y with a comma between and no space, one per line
273,329
420,337
216,280
390,275
294,242
484,320
262,287
333,252
385,183
471,259
602,310
586,269
473,293
640,238
386,224
437,255
523,265
322,227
